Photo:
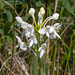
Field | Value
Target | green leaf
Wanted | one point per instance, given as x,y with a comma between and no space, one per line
39,4
1,31
9,39
1,4
18,2
68,24
67,6
7,15
64,18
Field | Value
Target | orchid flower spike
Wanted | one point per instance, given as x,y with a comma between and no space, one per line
42,11
21,44
32,12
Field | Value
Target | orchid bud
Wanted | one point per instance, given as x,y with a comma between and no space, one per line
55,16
42,11
32,11
19,19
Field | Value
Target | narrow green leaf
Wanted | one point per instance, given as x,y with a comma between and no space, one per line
18,2
68,6
9,39
68,24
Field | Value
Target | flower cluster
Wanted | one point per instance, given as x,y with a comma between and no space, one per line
41,28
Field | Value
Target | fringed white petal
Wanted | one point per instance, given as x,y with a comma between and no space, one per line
35,41
19,19
56,34
19,40
42,53
42,31
23,46
31,43
47,34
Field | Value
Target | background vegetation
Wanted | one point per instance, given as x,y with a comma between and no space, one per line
59,59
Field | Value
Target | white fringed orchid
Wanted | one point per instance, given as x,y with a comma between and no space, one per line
32,31
21,44
32,40
42,49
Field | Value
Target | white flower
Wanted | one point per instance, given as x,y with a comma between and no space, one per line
21,22
55,16
53,32
29,30
45,30
24,25
19,19
32,40
21,44
42,11
42,49
50,31
19,40
57,26
32,11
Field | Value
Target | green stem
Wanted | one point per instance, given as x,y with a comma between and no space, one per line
35,63
41,67
45,68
